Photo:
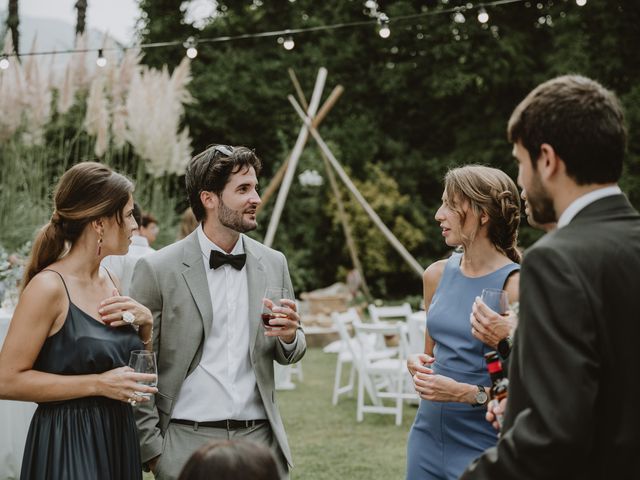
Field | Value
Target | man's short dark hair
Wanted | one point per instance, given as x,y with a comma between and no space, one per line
137,214
581,120
146,219
210,170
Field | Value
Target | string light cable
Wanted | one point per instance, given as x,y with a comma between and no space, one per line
383,22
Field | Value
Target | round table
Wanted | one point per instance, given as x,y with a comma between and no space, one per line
14,418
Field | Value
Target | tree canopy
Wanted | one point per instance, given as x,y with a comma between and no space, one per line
435,94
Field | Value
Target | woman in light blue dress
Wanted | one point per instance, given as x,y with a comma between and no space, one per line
480,213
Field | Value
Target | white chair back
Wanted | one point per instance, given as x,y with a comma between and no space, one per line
398,312
347,352
417,326
382,373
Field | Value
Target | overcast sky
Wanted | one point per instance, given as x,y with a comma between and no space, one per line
118,17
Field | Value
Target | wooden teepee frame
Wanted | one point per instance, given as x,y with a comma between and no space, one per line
311,121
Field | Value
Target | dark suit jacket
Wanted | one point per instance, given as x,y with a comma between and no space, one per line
574,395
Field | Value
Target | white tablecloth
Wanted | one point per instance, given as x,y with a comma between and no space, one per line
14,422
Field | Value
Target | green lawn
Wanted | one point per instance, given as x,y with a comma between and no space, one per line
327,442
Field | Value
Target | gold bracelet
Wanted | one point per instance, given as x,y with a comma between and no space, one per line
145,343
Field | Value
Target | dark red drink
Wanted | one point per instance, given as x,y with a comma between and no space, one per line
266,317
269,316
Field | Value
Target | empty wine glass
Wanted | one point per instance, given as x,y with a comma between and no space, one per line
496,299
144,361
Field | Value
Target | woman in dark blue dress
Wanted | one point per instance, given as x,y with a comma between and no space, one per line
480,212
71,336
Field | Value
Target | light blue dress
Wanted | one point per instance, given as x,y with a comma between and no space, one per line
447,436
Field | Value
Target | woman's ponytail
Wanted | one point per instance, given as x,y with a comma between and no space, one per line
48,247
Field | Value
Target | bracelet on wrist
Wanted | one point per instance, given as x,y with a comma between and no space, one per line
148,340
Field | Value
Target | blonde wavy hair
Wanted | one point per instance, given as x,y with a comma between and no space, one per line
489,191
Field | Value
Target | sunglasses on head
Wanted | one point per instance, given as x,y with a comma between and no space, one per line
223,149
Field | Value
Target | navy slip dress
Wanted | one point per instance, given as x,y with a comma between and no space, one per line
447,436
91,437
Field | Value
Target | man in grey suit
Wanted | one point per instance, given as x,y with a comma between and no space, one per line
573,380
215,357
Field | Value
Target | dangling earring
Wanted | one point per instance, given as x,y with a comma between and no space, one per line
100,244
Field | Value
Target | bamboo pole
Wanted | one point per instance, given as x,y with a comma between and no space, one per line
317,120
352,188
279,175
299,92
295,156
342,215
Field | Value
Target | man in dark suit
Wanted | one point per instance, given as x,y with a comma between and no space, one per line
574,383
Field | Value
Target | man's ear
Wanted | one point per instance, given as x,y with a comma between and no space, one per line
549,163
209,199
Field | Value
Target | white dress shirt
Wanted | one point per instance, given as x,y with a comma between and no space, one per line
587,199
223,386
122,265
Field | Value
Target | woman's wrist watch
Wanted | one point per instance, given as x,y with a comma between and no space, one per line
481,397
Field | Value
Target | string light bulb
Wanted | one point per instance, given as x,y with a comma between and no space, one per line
4,62
101,61
288,43
384,30
581,3
483,16
190,44
458,17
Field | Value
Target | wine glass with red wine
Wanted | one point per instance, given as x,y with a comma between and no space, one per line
273,297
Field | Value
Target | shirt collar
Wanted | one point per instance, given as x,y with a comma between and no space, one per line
139,241
206,245
583,201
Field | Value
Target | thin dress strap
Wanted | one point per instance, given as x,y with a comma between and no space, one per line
110,278
63,282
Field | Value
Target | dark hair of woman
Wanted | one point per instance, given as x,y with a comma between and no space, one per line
86,192
231,460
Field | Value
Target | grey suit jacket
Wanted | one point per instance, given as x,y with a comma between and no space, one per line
172,283
574,381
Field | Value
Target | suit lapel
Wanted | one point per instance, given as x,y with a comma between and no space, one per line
196,278
256,283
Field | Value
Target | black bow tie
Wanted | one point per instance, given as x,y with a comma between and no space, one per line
218,258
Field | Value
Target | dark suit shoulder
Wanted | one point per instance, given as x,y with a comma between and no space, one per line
609,226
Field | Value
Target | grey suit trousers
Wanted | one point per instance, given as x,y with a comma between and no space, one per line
181,441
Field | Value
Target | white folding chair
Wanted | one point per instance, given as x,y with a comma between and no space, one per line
382,378
282,377
386,313
346,352
296,369
417,326
397,312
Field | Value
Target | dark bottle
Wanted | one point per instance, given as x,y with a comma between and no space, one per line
499,380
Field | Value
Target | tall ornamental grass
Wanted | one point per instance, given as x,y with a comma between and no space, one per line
125,115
